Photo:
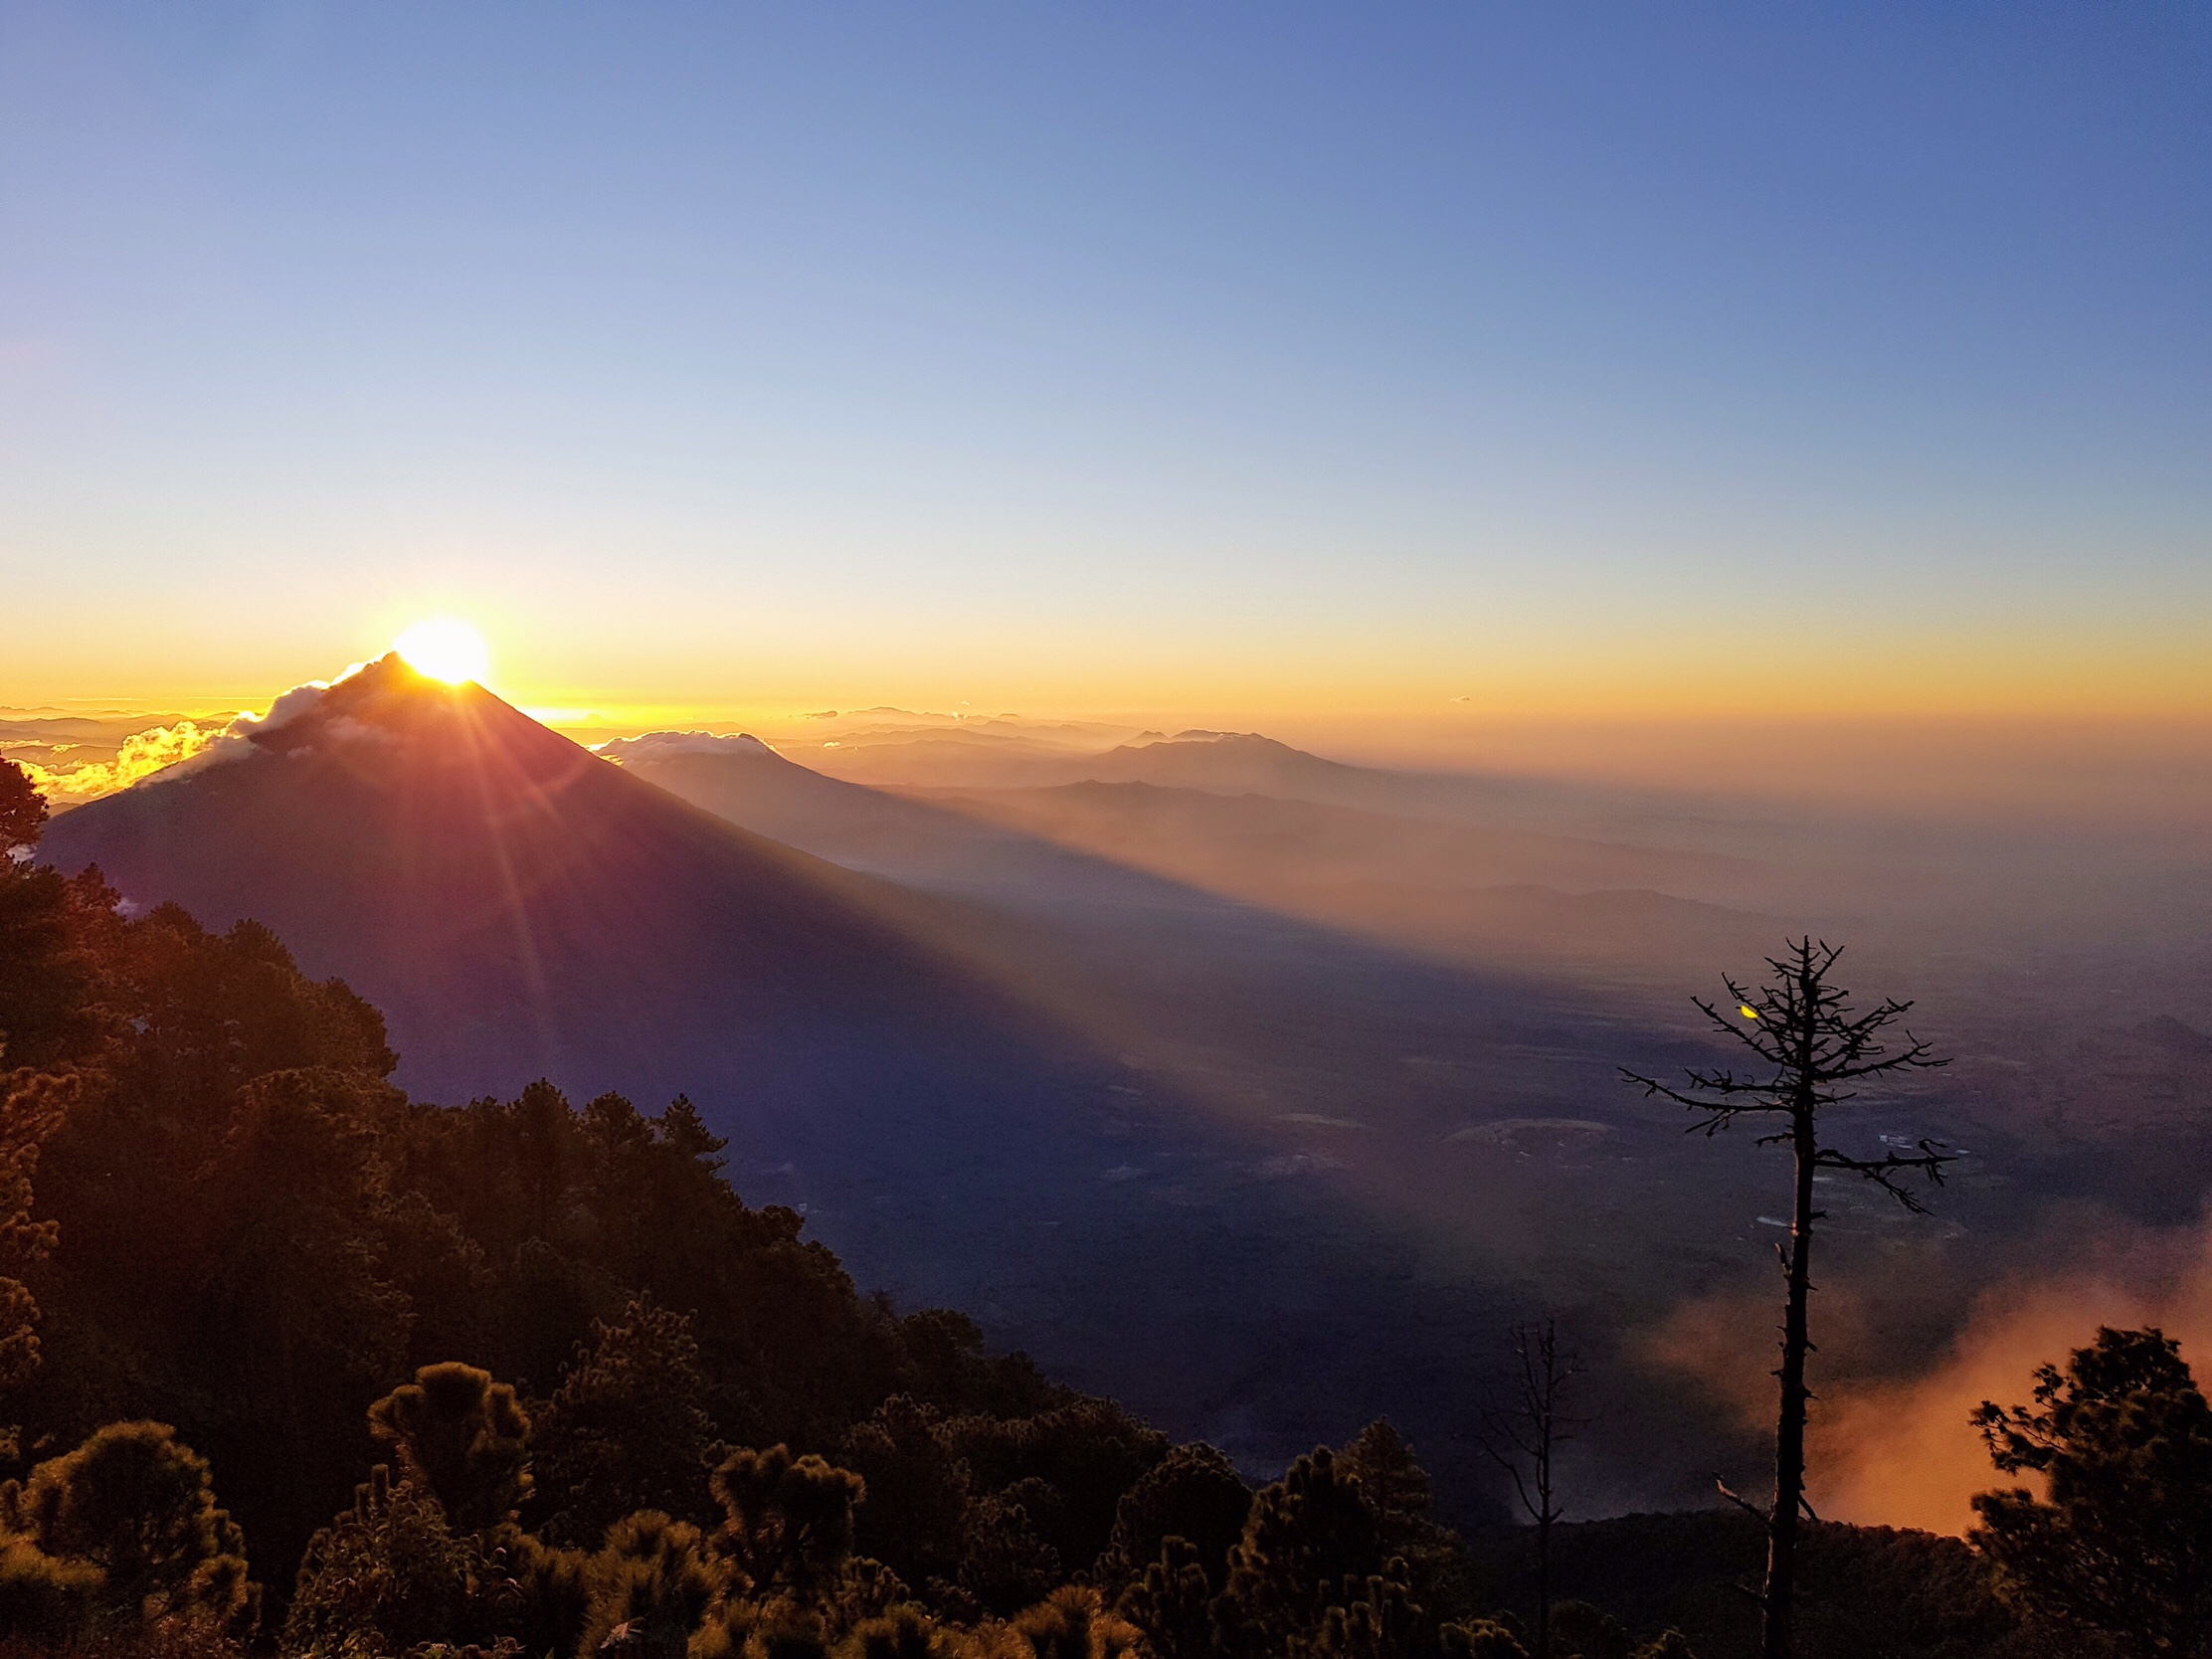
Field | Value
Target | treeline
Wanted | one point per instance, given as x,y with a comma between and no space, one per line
291,1364
294,1362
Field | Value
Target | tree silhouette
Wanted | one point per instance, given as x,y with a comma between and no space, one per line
1006,1563
1482,1640
918,1491
654,1576
1381,1622
462,1438
1173,1603
21,809
2122,1546
1306,1535
1071,1624
1087,1452
1195,1494
627,1428
1811,1050
32,1108
905,1632
139,1505
1521,1436
385,1575
43,1598
789,1520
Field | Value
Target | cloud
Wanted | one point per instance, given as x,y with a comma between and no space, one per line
235,741
184,747
1902,1453
1900,1450
142,755
662,745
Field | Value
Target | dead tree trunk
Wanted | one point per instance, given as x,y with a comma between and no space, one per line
1813,1051
1522,1435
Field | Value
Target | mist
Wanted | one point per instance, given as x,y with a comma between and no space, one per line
1411,987
1414,985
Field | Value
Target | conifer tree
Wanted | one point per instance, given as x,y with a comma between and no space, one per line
789,1521
654,1576
22,810
461,1437
32,1108
1005,1562
2121,1546
916,1515
1306,1535
1193,1493
627,1428
1171,1605
139,1505
1072,1623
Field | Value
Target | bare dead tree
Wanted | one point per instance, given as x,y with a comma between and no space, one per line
1811,1048
1521,1435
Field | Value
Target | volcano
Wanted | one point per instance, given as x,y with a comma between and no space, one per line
957,1113
519,908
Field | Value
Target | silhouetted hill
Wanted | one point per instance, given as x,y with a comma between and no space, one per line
743,780
519,907
1235,762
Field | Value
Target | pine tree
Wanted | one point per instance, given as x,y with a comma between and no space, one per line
627,1428
2123,1545
22,810
1193,1493
1307,1536
789,1521
461,1437
139,1505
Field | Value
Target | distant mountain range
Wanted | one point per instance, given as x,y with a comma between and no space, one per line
1196,813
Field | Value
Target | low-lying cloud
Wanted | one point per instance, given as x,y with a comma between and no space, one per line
1900,1450
183,747
142,755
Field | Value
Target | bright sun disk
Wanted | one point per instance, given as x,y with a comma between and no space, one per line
446,649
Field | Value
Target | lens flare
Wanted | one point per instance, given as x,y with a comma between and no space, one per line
446,649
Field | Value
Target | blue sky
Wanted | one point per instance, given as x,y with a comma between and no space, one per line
1114,356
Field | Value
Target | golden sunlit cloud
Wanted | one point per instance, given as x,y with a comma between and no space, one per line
142,755
444,648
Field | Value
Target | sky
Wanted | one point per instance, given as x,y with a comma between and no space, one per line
1426,363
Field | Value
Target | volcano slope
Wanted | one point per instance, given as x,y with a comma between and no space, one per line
519,907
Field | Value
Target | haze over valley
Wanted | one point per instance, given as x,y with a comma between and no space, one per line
1131,832
1324,1056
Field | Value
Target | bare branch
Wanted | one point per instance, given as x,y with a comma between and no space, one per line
1738,1500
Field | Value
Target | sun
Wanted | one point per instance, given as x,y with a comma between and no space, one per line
446,649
